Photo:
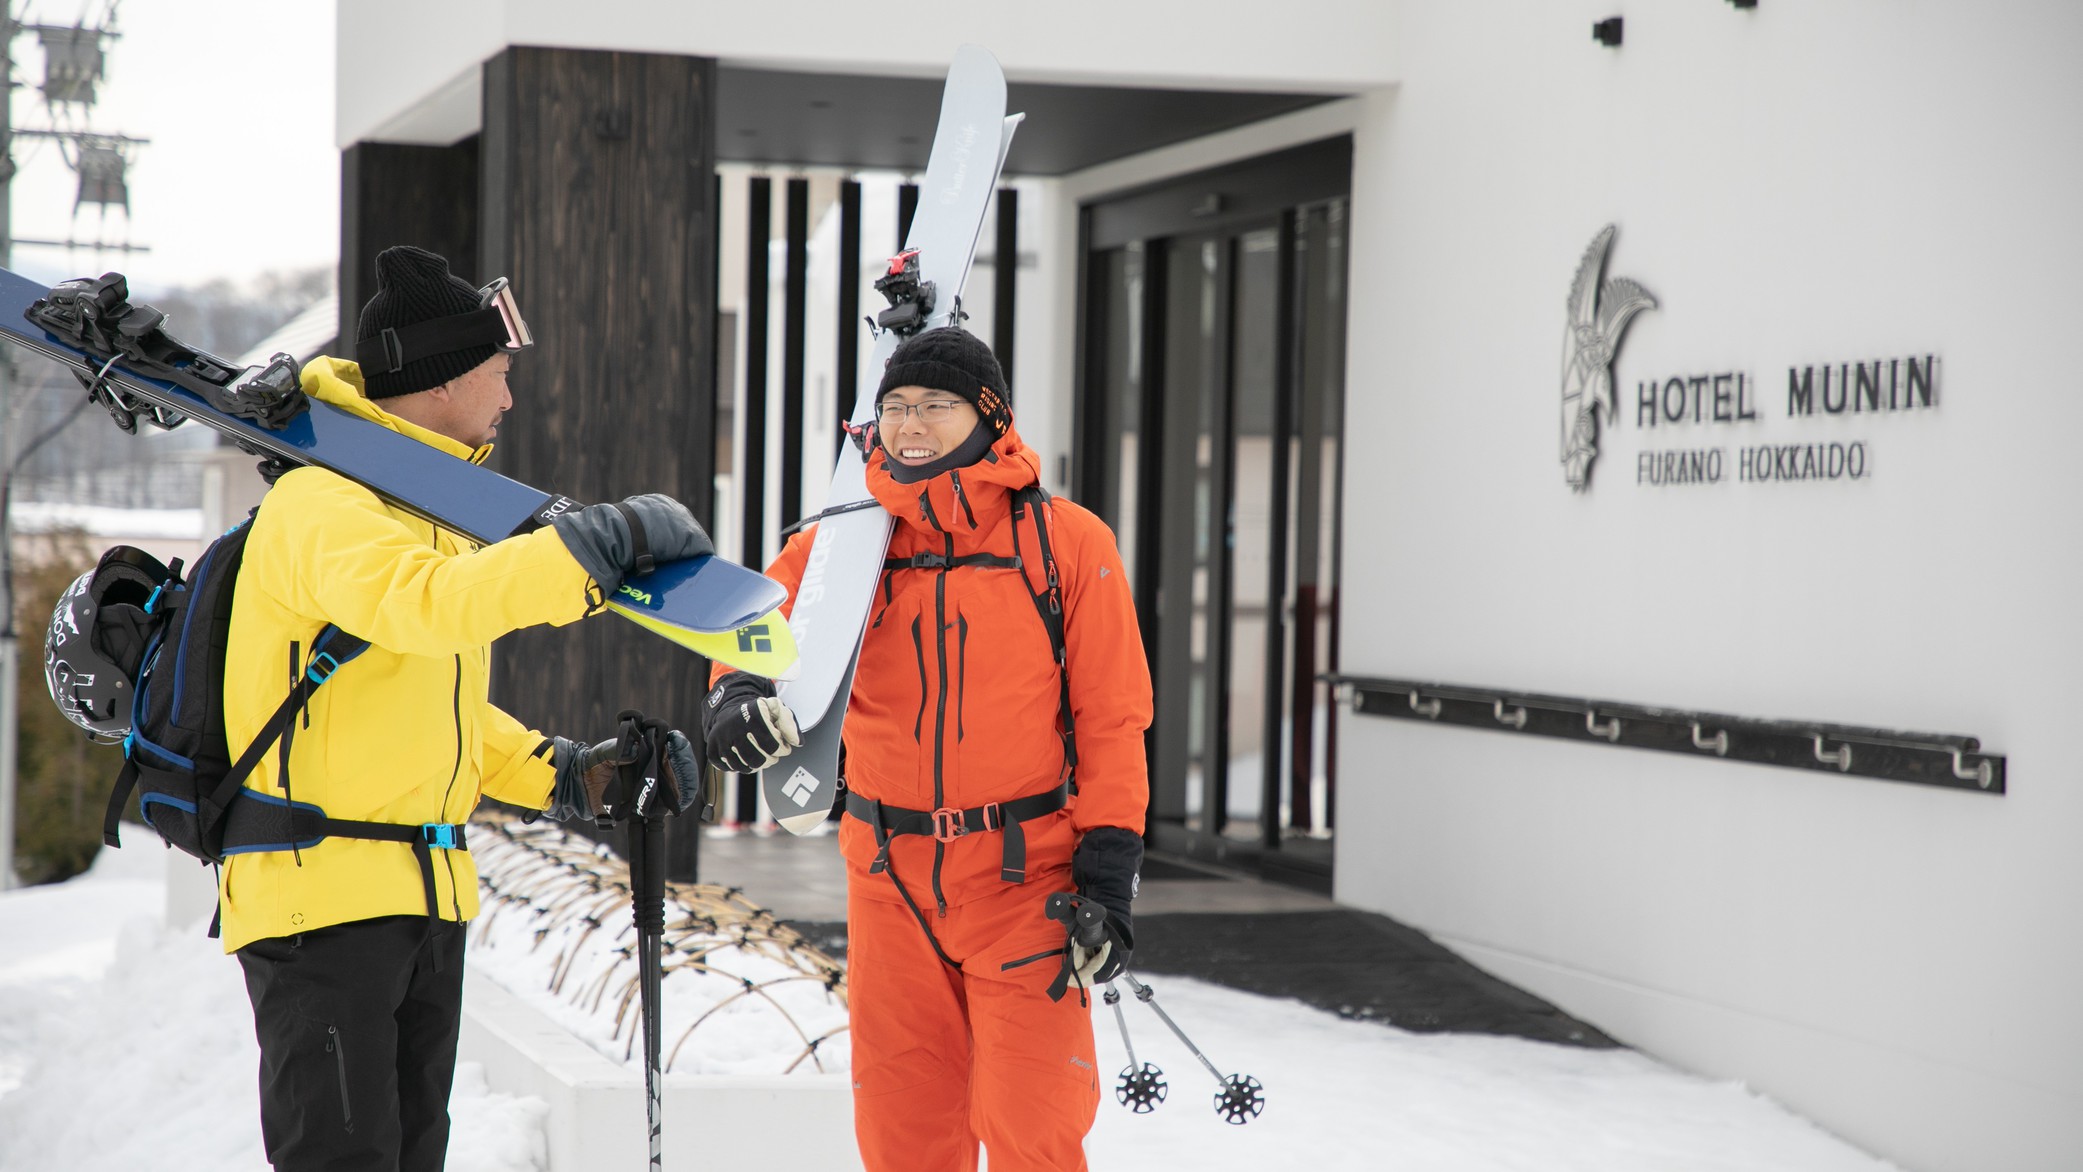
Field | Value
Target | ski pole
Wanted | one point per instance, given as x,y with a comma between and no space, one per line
1241,1097
1142,1086
643,749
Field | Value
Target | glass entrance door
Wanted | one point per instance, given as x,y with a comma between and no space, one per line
1213,444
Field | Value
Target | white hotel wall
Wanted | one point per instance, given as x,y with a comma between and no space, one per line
1812,181
1806,182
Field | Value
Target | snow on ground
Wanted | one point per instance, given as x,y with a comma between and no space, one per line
568,949
1346,1096
125,1047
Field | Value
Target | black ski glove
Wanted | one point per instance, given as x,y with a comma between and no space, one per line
584,774
1107,868
599,538
748,727
690,780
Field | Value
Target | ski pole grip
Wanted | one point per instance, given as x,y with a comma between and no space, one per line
1085,918
629,773
663,799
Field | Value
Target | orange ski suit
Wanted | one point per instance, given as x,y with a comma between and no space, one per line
957,704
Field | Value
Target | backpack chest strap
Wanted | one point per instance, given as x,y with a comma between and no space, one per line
939,561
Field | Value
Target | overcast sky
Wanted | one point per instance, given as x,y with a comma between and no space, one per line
241,175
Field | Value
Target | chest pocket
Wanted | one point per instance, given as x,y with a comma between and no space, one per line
890,688
948,597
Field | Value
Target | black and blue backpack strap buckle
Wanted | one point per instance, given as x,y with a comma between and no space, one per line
447,836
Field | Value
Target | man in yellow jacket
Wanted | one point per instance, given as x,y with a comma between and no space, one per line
353,948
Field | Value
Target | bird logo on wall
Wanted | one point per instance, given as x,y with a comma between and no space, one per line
1598,315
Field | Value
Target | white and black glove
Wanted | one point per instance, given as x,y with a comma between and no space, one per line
602,541
1089,963
688,777
748,727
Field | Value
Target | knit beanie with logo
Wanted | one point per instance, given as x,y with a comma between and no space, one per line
952,359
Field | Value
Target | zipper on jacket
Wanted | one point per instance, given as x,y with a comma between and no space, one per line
961,674
337,1047
933,519
888,596
287,740
940,716
455,703
918,648
962,498
455,771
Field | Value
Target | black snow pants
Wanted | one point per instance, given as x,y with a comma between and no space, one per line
358,1026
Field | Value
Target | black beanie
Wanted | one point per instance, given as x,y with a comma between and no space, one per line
412,286
952,359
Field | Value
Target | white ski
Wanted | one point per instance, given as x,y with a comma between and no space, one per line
831,607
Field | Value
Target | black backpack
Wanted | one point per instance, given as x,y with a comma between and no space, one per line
175,754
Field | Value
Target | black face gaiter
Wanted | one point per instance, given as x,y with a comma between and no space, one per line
971,450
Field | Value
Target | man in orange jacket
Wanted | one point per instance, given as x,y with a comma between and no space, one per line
984,773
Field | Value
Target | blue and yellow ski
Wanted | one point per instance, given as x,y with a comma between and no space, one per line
708,605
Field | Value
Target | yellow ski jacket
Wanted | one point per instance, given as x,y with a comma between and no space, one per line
405,733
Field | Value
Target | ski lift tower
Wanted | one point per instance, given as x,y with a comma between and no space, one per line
74,61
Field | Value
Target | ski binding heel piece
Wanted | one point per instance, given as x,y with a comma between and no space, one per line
911,300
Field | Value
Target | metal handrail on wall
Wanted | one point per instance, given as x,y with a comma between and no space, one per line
1942,759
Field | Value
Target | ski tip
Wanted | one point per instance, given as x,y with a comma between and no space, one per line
764,648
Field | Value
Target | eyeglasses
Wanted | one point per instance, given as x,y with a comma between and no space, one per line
930,412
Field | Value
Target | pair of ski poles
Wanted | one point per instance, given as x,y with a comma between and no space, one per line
1238,1097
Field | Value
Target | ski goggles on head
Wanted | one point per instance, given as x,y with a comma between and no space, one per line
499,296
496,322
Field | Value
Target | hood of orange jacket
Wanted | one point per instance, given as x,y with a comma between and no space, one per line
965,503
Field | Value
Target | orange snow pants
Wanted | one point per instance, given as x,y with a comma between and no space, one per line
944,1057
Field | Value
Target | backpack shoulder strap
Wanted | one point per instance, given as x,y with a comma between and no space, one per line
118,801
1048,602
331,649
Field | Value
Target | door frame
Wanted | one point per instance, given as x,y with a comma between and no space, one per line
1226,202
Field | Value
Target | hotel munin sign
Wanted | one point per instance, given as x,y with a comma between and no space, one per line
1710,417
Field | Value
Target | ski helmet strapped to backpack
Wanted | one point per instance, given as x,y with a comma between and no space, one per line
136,653
98,638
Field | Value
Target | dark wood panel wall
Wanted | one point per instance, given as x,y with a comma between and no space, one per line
849,332
391,194
598,200
1005,271
752,475
795,325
